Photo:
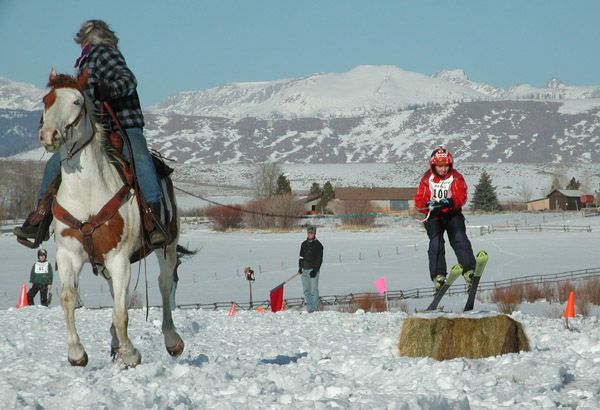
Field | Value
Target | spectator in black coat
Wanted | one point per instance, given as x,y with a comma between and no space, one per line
309,265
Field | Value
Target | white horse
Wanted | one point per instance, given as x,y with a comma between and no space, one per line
89,183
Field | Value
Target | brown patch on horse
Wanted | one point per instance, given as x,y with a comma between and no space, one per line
56,81
48,100
105,238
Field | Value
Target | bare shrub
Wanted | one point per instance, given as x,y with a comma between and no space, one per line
224,217
583,308
265,179
280,211
357,212
563,290
369,302
193,212
507,299
550,292
590,290
286,205
532,292
256,218
19,185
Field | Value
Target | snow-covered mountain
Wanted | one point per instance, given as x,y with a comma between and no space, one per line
360,91
20,96
554,89
368,114
490,131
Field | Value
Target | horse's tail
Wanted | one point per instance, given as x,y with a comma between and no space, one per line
182,251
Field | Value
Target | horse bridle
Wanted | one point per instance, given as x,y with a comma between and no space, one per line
68,133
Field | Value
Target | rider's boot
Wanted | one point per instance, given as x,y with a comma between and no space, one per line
35,229
157,234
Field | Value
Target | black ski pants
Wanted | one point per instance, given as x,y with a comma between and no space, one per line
43,289
454,225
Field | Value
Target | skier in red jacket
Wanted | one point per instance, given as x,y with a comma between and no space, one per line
441,194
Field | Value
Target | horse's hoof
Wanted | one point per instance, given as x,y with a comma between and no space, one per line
177,349
113,353
81,362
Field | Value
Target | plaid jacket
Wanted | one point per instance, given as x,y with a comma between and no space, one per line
107,65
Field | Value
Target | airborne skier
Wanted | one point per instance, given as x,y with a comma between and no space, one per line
441,194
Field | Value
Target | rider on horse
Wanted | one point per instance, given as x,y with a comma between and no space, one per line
109,80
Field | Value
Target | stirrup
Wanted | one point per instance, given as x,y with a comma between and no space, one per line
42,235
157,242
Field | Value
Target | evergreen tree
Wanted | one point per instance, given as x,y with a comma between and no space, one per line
315,189
327,195
283,185
485,198
573,184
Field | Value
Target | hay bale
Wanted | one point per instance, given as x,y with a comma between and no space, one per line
443,337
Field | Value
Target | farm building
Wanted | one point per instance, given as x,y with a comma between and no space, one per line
564,199
387,200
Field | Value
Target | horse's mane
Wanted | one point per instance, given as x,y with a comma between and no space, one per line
100,128
63,81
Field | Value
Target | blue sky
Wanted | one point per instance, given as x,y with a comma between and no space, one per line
192,44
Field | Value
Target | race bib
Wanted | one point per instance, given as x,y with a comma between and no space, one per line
441,189
41,267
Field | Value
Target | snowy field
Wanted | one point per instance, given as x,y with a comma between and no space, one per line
296,360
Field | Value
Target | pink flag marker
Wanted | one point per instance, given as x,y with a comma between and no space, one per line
380,285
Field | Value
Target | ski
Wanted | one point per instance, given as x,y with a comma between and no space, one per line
482,258
455,272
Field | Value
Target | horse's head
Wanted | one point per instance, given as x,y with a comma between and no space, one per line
64,107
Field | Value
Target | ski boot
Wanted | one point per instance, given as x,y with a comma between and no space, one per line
468,275
439,281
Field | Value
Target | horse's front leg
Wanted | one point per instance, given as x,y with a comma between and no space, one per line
69,266
114,341
120,272
168,264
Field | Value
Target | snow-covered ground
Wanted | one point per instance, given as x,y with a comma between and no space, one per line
296,360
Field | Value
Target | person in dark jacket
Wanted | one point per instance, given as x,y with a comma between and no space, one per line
41,277
309,265
109,80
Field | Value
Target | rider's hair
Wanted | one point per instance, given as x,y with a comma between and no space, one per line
96,32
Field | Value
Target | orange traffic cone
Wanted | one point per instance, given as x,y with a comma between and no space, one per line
23,301
232,309
570,308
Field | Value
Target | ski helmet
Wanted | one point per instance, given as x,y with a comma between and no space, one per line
41,252
441,156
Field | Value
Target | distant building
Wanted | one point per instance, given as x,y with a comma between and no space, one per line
559,199
387,200
310,203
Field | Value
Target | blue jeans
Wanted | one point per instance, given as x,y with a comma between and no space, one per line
311,290
144,167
